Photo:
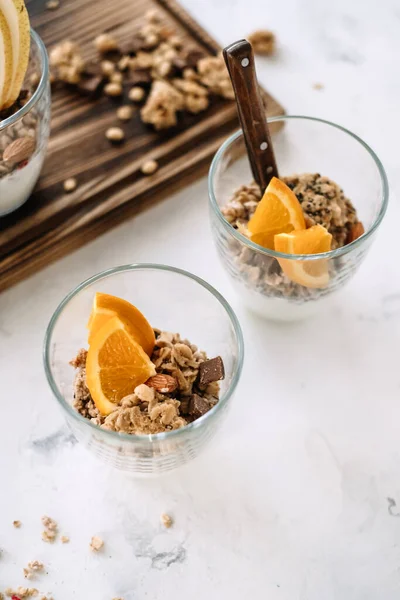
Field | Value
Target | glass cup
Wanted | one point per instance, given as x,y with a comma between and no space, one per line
32,120
302,145
172,300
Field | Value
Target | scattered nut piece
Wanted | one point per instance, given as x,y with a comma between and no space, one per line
115,134
149,167
52,4
136,94
96,543
263,42
107,67
17,524
166,520
124,113
116,77
34,79
113,89
70,184
36,565
64,539
123,63
105,43
318,86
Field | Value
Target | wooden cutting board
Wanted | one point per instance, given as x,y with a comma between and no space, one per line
111,186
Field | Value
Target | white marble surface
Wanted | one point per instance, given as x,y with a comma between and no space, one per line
291,503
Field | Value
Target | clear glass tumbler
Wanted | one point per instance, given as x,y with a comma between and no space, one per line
172,300
32,120
302,145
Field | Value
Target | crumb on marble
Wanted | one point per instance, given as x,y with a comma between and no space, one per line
318,86
64,539
166,520
17,524
96,543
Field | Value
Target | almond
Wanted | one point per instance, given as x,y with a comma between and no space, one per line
356,231
19,150
164,384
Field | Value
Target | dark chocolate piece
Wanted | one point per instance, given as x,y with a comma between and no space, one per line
198,406
140,77
90,85
211,370
192,57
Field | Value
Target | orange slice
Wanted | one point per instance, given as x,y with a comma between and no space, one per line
106,307
312,273
278,211
115,365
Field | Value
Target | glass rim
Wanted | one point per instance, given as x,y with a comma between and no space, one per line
44,76
156,437
301,257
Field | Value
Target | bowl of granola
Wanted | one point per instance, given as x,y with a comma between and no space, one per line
144,393
341,190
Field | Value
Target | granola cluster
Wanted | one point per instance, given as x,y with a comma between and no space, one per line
263,42
323,202
186,387
161,72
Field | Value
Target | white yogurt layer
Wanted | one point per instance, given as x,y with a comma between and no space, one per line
16,187
279,309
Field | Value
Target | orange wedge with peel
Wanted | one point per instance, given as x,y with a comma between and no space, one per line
115,365
315,240
278,211
106,307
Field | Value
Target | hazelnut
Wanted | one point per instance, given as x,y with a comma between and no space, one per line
136,94
70,184
124,113
105,43
116,77
115,134
107,67
149,167
113,89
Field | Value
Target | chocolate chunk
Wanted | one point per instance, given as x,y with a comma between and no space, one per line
198,406
141,77
90,85
211,370
192,57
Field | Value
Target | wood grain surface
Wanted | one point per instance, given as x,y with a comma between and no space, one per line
111,186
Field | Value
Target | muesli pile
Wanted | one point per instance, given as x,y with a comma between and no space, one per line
325,210
172,385
157,69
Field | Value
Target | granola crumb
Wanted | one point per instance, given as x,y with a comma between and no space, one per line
149,167
70,184
125,113
115,134
263,42
166,520
36,565
52,4
136,94
17,524
318,86
214,75
107,67
162,105
49,523
49,536
96,543
64,539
